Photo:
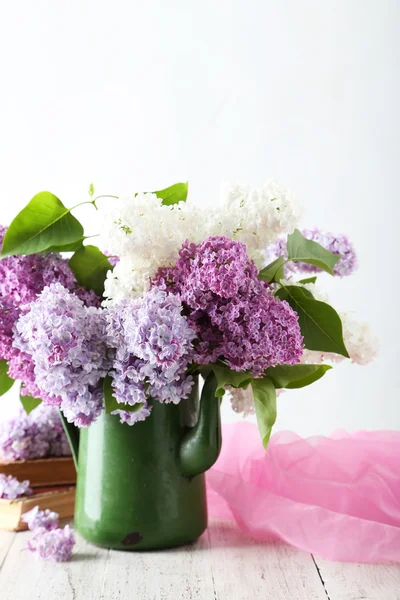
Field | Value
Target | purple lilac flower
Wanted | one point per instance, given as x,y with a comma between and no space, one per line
231,310
112,259
22,278
153,344
47,418
84,407
48,541
56,544
66,340
11,488
337,244
45,520
9,314
37,435
22,367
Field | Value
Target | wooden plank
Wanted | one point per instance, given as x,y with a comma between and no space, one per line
176,574
6,539
222,564
24,575
244,569
352,581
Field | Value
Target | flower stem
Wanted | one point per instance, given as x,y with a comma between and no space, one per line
94,201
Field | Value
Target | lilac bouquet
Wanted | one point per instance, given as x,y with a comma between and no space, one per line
227,293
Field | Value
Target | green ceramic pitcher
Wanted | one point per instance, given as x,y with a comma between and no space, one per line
143,486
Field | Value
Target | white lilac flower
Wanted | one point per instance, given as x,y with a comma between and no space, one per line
130,278
146,234
256,216
360,342
141,225
242,400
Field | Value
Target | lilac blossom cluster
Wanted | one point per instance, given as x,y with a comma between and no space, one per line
66,341
337,244
232,312
41,519
20,364
37,435
22,278
11,488
153,347
49,541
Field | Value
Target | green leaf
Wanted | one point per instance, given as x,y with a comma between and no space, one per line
308,280
282,292
43,223
72,434
90,268
300,249
110,401
265,404
6,382
273,272
68,247
225,377
174,194
29,403
319,323
295,376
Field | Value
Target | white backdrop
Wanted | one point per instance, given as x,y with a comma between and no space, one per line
138,95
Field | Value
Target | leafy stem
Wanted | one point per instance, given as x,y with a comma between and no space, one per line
93,202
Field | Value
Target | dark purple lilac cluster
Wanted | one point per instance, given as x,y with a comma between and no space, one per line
234,315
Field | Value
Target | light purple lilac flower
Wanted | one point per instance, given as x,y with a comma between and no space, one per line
66,341
337,244
37,435
48,541
11,488
153,344
45,520
112,259
22,368
232,312
56,544
22,278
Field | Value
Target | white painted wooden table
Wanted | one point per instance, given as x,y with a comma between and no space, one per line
222,565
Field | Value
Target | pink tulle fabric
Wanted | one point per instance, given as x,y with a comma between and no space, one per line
336,497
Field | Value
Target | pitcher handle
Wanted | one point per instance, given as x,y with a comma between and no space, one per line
201,445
